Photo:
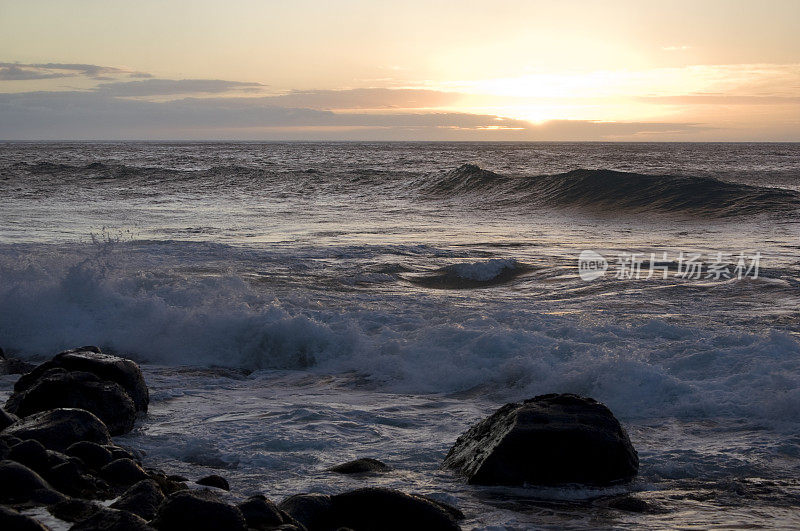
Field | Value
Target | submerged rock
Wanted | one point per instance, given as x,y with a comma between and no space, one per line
198,510
311,510
123,371
547,440
364,465
214,481
58,429
58,387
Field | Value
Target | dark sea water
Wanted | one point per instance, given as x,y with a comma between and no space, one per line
388,295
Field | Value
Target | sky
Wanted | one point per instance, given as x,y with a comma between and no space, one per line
617,70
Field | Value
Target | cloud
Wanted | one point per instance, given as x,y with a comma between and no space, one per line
15,73
29,71
368,98
721,99
172,87
97,115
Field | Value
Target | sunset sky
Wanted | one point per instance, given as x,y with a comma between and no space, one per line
427,70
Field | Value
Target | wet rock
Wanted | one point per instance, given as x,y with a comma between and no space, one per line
31,454
311,510
123,472
198,510
9,365
364,465
58,429
92,454
70,479
142,499
112,520
260,513
74,509
117,452
106,367
58,387
167,484
11,520
6,419
20,484
388,510
547,440
214,481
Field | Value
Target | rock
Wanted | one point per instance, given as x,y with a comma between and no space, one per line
31,454
57,429
388,510
117,452
167,484
74,509
260,513
364,465
92,454
58,387
14,365
142,499
547,440
11,520
106,367
312,510
198,510
123,472
6,419
112,520
20,484
214,481
70,479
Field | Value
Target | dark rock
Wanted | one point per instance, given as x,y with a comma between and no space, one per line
123,472
312,510
13,365
361,466
58,387
112,520
198,510
106,367
260,513
142,499
454,512
547,440
4,449
70,479
92,454
387,510
58,429
167,484
74,509
214,481
20,484
31,454
6,419
11,520
117,452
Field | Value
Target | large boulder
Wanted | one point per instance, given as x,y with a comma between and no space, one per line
112,520
57,429
260,513
547,440
311,510
105,366
58,387
19,484
198,510
6,419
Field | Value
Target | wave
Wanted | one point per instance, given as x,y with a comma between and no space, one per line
471,274
404,343
604,190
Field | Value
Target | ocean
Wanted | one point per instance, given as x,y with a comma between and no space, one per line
297,305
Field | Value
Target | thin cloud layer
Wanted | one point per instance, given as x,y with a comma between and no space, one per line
33,71
171,87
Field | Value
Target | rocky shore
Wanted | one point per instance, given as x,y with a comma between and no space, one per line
61,468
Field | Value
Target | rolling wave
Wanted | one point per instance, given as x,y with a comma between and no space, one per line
607,189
